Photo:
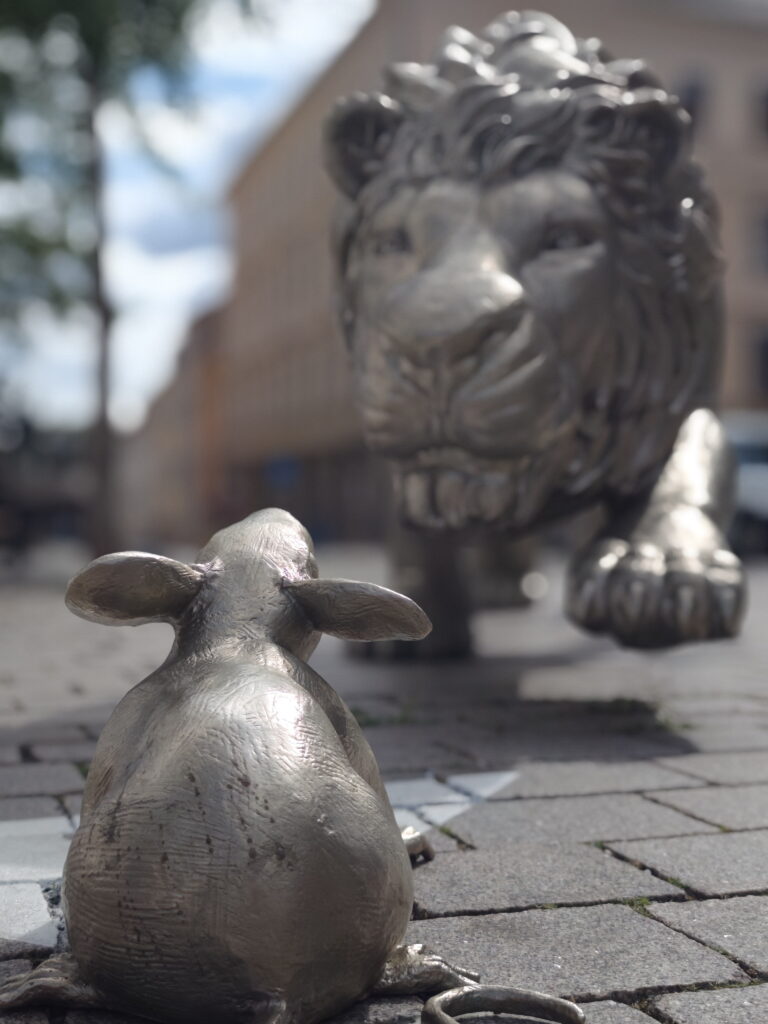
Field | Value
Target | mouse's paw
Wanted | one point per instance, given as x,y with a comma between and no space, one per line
414,970
649,595
417,845
55,982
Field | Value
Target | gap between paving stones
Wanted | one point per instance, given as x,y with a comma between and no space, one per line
696,817
689,892
634,903
758,977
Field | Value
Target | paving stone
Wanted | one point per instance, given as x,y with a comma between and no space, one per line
482,785
34,779
735,925
609,1012
25,1017
581,778
24,918
40,732
16,807
732,734
405,1010
409,749
728,769
73,805
578,818
10,968
81,751
98,1017
34,849
713,865
9,755
714,705
735,807
16,949
440,841
425,790
721,1006
518,875
581,952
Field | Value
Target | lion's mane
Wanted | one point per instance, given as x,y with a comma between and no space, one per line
525,94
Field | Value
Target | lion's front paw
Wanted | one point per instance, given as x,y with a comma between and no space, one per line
648,596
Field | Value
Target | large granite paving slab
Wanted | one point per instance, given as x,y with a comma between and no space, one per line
402,1010
580,952
578,818
24,919
16,807
610,1012
713,865
409,749
81,751
721,1006
583,778
33,849
728,769
734,807
736,925
13,968
40,779
514,876
25,1017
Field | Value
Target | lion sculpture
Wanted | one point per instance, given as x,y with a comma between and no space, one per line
530,288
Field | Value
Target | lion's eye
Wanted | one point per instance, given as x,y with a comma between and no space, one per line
566,237
396,240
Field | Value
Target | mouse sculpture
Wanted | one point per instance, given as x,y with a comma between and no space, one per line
238,859
530,288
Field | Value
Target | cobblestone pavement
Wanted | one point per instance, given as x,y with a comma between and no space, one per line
600,815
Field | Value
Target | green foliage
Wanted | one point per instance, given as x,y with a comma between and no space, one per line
59,61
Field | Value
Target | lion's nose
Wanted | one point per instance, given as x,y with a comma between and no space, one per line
451,310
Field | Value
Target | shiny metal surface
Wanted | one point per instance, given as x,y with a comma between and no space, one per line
237,858
530,288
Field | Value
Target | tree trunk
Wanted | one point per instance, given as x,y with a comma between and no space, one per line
102,526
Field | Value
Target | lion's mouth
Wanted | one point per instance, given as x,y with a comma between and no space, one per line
448,488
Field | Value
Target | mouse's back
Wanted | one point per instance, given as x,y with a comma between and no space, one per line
236,842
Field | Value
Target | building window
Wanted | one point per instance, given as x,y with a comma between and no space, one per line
693,95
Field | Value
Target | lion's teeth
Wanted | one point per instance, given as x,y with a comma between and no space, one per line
416,498
451,498
493,496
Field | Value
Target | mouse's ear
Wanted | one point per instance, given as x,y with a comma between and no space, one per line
132,587
359,611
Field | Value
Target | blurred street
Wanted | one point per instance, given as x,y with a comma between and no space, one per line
600,815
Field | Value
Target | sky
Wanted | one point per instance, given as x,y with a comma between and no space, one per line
167,256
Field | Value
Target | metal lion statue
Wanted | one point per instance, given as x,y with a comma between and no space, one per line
530,288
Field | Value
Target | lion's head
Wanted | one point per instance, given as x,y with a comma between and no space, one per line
529,273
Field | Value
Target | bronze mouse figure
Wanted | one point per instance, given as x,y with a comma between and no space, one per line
238,858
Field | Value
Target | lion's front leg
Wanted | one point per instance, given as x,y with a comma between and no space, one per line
663,573
427,567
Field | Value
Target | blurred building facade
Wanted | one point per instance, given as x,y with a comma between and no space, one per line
260,411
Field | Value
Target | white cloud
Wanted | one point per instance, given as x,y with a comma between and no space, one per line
187,282
54,378
145,349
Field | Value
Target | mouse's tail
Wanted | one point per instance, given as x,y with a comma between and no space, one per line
444,1007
